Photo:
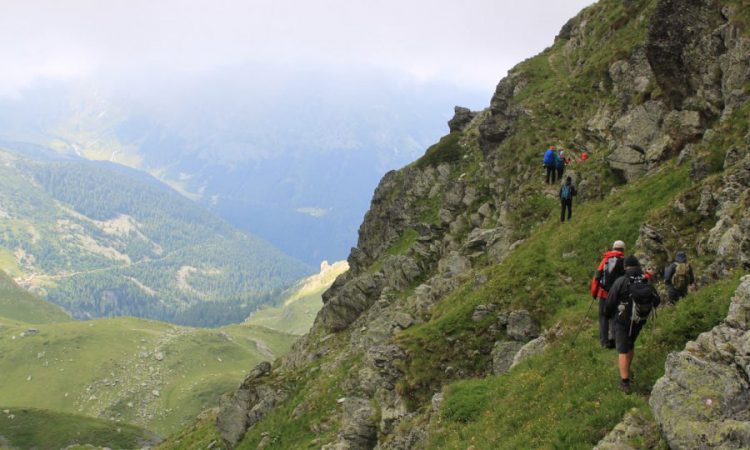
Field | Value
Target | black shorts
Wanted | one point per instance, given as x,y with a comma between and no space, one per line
624,337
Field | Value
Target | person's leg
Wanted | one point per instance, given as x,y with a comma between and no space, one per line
562,210
547,169
624,360
604,330
569,204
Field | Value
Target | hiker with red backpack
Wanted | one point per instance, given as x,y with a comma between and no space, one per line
550,163
610,269
678,277
567,192
632,298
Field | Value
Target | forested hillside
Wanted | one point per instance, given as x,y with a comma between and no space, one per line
101,241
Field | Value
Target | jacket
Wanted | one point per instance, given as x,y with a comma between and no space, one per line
597,291
619,294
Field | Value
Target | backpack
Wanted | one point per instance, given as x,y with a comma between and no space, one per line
565,192
608,275
549,158
680,279
642,297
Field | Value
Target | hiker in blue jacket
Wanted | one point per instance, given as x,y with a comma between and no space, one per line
567,191
550,163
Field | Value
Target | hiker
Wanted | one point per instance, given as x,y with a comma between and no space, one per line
631,300
567,192
550,156
610,269
560,164
678,276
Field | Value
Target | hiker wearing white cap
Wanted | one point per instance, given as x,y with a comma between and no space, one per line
610,268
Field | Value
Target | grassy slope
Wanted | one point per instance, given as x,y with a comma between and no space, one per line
45,430
18,304
296,312
107,368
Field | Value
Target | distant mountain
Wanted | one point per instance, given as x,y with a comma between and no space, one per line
103,240
292,156
296,311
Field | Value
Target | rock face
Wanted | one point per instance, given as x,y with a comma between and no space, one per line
246,406
461,119
703,399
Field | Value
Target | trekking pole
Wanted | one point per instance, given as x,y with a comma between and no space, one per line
583,322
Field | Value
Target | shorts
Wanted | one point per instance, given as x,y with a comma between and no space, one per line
624,337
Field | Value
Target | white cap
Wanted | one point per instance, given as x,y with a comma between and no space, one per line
618,244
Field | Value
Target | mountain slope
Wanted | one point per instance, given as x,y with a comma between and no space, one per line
18,304
102,240
297,310
462,269
45,430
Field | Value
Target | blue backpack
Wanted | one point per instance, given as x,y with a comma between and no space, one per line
549,158
565,192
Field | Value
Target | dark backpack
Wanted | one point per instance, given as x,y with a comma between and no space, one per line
608,275
565,192
642,296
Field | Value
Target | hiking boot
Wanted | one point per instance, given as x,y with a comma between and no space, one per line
625,386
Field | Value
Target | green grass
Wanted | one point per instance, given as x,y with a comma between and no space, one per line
319,396
46,430
296,312
534,277
96,368
568,398
18,304
447,150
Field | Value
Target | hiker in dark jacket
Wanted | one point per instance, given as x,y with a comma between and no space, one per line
567,192
560,164
679,277
631,299
609,270
550,156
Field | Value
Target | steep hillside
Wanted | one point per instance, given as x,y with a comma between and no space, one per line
101,240
20,305
44,430
453,327
299,306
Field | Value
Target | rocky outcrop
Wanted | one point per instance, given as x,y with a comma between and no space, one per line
461,118
703,399
634,432
247,405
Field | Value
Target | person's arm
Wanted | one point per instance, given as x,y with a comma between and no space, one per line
573,191
610,308
595,284
691,277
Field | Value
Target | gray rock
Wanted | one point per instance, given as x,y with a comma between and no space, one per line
531,348
482,311
502,355
453,265
521,326
632,433
707,203
461,118
350,301
358,427
703,399
240,410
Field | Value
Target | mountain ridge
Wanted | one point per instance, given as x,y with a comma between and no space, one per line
462,271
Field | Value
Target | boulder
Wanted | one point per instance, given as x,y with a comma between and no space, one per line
502,355
703,399
461,118
531,348
632,433
521,326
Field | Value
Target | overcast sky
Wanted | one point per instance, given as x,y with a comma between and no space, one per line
471,43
